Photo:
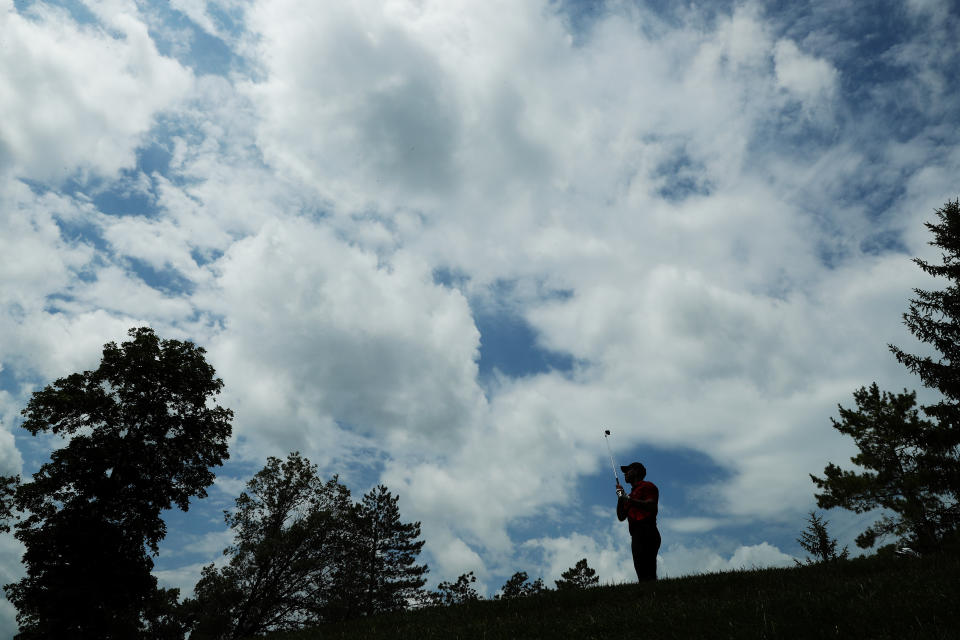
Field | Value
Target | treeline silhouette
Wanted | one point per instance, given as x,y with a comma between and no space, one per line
143,435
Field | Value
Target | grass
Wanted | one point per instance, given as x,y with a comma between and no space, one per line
872,597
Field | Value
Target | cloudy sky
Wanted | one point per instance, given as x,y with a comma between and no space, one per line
442,244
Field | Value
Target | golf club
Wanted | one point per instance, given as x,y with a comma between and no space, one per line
613,466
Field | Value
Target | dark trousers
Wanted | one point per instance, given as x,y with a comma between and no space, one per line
645,542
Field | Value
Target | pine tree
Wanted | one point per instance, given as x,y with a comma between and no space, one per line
894,452
579,576
934,318
382,561
912,465
816,540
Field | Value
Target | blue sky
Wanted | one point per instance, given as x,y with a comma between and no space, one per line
442,245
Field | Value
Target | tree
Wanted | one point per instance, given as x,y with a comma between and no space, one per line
459,592
901,475
913,465
579,576
518,587
8,492
381,562
816,540
290,533
142,436
934,318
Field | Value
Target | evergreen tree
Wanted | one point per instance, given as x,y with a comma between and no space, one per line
816,540
518,587
290,533
579,576
381,563
142,437
913,465
934,318
898,476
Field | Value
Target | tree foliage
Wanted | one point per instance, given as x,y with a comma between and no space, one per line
934,318
900,473
381,559
304,554
912,465
8,493
579,576
517,586
141,436
816,540
289,539
459,592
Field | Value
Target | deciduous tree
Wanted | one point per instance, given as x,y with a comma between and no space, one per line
458,592
8,492
518,587
290,536
142,435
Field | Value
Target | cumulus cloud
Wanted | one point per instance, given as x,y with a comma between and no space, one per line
78,98
339,337
679,560
812,80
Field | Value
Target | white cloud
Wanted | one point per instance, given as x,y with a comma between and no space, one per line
813,80
609,555
679,560
11,550
184,578
338,336
78,98
452,558
41,260
692,525
935,9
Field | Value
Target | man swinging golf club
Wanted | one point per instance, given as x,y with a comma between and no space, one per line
639,508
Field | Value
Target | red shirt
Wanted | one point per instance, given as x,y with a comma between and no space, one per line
643,491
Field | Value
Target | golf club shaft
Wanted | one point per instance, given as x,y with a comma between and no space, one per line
613,465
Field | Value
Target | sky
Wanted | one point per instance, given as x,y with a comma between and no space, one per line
443,244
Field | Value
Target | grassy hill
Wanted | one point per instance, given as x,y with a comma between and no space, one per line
871,598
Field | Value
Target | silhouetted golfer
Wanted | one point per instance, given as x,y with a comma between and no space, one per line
640,509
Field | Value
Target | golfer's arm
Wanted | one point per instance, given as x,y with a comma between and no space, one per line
646,505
